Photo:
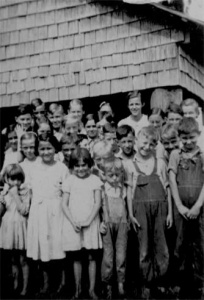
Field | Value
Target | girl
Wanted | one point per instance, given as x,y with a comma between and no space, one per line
45,219
81,204
91,131
13,230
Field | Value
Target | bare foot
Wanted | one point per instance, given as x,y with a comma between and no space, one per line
93,295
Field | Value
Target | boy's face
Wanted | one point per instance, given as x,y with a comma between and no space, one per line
67,150
39,112
44,128
155,121
135,106
56,119
114,177
189,111
170,143
189,141
174,118
25,121
127,144
71,129
145,145
91,129
100,158
76,111
110,137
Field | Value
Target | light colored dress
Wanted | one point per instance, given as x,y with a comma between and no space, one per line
81,203
13,230
137,126
45,218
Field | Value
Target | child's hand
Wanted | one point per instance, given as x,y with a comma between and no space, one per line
77,227
194,212
135,223
84,224
13,190
19,130
103,228
169,221
2,200
183,210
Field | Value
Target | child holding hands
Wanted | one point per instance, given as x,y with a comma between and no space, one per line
81,204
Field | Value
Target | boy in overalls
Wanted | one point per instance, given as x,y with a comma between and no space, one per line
186,175
115,217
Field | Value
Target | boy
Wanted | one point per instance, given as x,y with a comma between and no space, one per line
174,114
109,135
115,218
56,117
24,118
187,186
68,145
125,135
169,140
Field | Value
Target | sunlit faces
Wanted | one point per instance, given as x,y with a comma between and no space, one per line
189,140
28,148
156,121
67,150
145,145
46,152
13,140
25,121
174,118
91,129
81,169
114,177
127,144
56,119
170,143
189,111
135,106
76,111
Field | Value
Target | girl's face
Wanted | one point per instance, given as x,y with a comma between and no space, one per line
189,141
46,152
135,106
114,177
156,121
25,121
145,145
13,140
67,150
76,111
28,148
91,129
14,182
81,169
56,119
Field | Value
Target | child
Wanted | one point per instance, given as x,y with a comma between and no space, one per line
45,219
71,126
101,150
109,135
187,187
190,108
169,139
125,135
115,217
105,110
56,117
150,211
13,230
45,129
156,119
68,145
174,114
136,120
76,111
91,131
81,204
24,117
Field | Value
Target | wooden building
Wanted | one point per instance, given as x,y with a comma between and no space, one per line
64,49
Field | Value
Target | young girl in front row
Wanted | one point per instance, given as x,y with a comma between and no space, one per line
150,210
13,230
81,204
46,178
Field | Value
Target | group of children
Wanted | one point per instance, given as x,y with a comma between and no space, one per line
74,186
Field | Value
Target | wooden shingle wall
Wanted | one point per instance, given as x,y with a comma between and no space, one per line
65,49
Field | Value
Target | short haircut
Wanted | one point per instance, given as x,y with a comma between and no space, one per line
24,109
134,94
13,172
191,102
123,131
175,108
75,102
90,117
80,154
55,107
35,103
169,131
149,132
188,125
101,148
158,112
69,120
113,164
50,139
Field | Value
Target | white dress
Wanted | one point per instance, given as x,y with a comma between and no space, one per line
143,122
45,218
81,203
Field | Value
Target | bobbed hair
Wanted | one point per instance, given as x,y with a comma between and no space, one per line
80,154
